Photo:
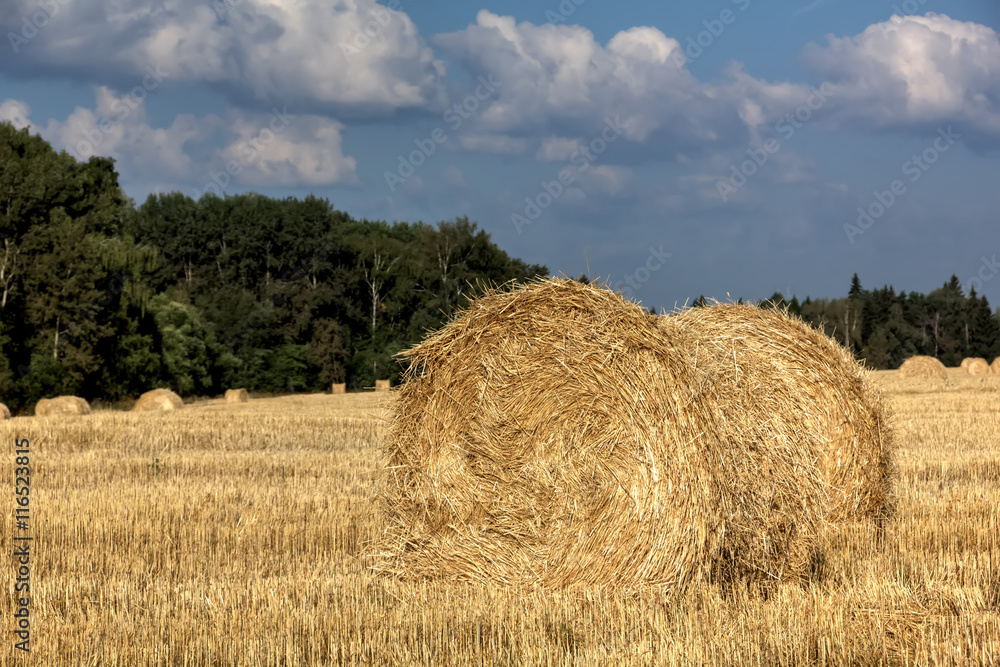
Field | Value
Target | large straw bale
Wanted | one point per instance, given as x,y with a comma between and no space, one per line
158,400
62,405
382,385
339,388
554,434
995,366
921,367
809,390
976,366
237,396
4,412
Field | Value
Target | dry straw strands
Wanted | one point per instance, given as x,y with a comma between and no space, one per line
4,412
808,390
556,434
976,366
237,396
339,388
158,400
381,385
63,405
922,367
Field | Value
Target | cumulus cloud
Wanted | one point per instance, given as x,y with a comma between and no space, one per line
914,72
351,56
563,85
289,150
16,112
275,149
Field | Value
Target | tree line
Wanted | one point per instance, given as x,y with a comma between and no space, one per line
105,299
883,327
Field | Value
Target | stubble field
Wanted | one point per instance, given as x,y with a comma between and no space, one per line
234,535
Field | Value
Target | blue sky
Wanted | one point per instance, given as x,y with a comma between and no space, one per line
713,148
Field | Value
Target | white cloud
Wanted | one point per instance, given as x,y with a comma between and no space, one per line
559,83
914,71
557,149
16,112
279,149
346,55
289,150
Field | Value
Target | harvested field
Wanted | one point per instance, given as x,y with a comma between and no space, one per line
235,536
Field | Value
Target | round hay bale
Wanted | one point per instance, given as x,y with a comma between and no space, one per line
810,391
339,388
382,385
553,434
4,412
237,396
995,366
158,400
976,366
921,367
62,405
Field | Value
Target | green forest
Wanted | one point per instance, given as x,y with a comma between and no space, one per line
106,299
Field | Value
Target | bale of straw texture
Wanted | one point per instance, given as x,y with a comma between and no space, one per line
809,390
921,367
158,400
237,396
553,434
381,385
4,412
62,405
340,388
976,366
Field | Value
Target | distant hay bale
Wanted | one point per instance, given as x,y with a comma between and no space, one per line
4,412
976,366
339,388
995,366
555,434
237,396
158,400
921,367
62,405
810,391
381,385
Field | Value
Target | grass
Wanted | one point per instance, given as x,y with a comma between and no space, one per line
233,534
